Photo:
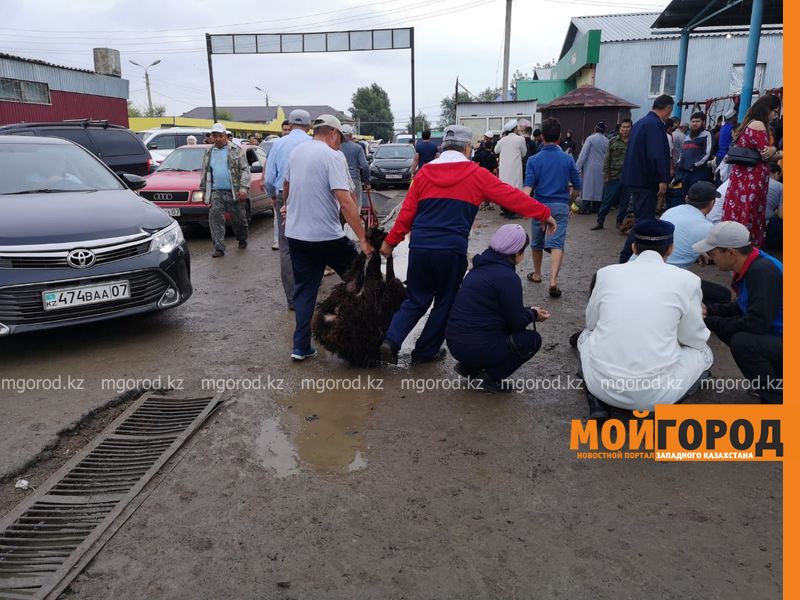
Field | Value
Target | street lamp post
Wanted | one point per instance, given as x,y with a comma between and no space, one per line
266,96
147,82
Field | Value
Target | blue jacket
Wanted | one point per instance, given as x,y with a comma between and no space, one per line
725,140
489,303
647,160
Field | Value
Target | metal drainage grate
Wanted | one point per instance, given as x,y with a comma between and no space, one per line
47,535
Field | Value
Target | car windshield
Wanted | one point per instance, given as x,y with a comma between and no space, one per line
394,152
184,159
32,167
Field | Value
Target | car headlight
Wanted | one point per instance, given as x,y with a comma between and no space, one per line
167,239
197,196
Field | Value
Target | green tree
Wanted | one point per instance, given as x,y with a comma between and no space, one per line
371,107
448,108
489,94
422,123
158,110
133,110
222,115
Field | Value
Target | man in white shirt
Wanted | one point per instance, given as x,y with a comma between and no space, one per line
512,150
317,187
645,341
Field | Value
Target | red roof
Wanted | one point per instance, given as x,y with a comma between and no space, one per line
588,96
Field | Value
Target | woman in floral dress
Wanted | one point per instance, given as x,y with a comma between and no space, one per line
746,199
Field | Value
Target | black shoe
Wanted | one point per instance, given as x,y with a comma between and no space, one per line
490,385
597,227
242,244
218,253
388,353
421,360
597,408
573,339
466,371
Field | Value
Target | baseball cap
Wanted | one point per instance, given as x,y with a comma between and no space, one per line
328,121
299,117
729,114
510,125
218,128
488,134
727,234
347,129
702,192
457,133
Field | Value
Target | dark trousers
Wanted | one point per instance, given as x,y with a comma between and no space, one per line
774,239
714,293
760,359
613,193
308,265
689,178
643,201
433,276
500,357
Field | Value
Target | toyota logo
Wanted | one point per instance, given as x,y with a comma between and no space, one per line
162,196
80,258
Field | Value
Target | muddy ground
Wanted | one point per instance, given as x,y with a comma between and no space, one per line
395,492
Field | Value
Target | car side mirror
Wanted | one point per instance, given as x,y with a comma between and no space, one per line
152,146
134,182
256,168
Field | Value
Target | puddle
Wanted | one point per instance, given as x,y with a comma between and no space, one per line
331,426
275,450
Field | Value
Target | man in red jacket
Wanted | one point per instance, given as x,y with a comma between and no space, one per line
438,211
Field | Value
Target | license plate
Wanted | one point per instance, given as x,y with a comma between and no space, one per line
87,294
393,176
173,212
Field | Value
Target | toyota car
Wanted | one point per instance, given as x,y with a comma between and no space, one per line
391,165
77,244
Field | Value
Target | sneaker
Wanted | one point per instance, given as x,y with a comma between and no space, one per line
276,247
388,353
298,354
421,360
242,244
597,227
218,253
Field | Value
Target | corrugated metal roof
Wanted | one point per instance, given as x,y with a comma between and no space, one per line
36,61
263,114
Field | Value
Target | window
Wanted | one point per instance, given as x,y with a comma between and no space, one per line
73,134
116,142
737,78
163,142
18,90
662,80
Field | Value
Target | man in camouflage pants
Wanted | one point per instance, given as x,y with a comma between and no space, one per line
225,182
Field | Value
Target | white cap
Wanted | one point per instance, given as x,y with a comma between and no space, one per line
510,125
725,234
218,128
328,121
729,114
488,134
347,129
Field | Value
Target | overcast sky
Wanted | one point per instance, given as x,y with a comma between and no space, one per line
461,38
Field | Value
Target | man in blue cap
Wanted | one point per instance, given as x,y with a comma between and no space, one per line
645,341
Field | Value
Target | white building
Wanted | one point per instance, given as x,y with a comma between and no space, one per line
481,117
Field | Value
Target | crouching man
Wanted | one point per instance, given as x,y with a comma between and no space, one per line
645,340
752,325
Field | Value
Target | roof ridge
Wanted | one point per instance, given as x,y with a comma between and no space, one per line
638,14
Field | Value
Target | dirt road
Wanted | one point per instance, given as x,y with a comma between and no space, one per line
319,481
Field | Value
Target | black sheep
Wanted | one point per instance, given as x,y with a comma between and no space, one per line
352,321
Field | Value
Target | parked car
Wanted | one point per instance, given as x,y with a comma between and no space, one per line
117,146
162,141
77,244
391,165
175,186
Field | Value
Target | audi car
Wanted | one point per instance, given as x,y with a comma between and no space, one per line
391,165
175,186
77,244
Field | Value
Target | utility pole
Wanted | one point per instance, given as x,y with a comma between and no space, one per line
506,50
147,82
455,104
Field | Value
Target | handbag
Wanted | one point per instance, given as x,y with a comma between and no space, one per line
746,157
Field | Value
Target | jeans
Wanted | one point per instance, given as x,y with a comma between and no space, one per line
644,201
308,264
613,193
433,276
287,274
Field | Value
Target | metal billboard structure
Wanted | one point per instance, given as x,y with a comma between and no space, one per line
357,40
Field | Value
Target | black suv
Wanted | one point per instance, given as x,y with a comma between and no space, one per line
121,149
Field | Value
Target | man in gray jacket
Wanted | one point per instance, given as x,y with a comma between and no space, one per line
225,183
356,161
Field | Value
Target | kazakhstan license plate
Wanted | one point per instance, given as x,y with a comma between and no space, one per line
173,212
393,176
88,294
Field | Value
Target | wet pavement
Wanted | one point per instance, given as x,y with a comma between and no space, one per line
316,480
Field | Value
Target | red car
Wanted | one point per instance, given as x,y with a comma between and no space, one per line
175,185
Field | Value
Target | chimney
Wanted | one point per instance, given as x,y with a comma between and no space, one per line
106,62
